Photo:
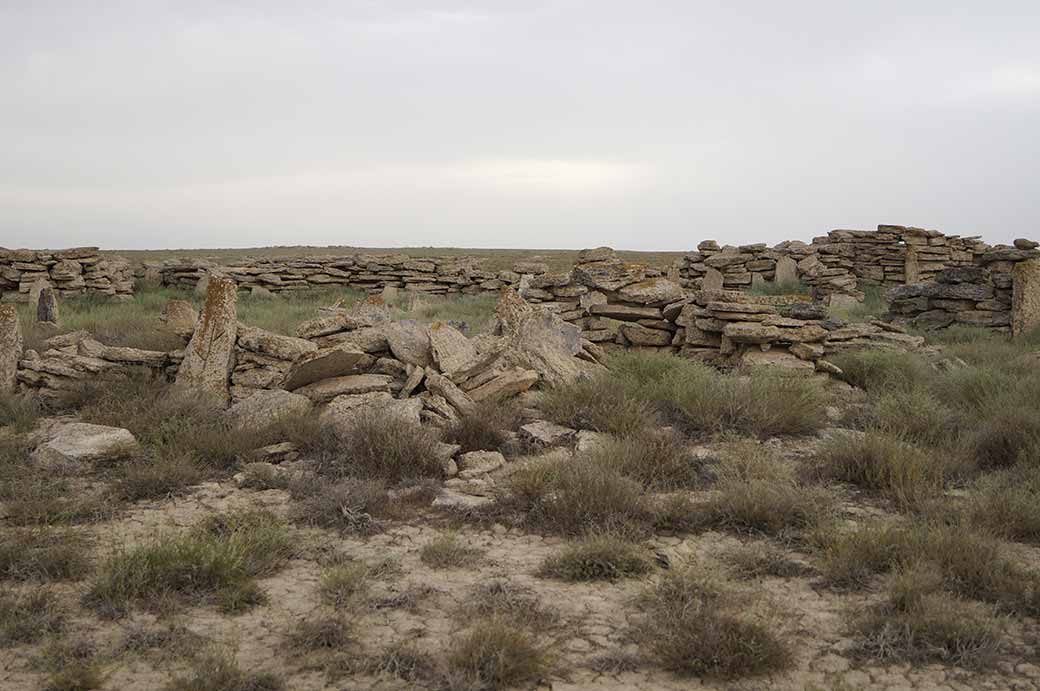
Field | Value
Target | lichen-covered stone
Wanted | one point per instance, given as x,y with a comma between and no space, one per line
209,357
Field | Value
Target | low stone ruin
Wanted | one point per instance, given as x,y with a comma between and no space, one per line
373,273
832,265
999,292
69,272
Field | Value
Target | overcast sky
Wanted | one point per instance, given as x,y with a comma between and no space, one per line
528,123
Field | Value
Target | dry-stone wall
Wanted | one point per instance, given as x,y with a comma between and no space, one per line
70,272
997,291
834,264
434,275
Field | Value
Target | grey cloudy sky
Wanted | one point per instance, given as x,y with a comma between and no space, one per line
528,123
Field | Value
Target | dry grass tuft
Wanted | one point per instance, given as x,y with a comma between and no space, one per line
345,585
906,474
919,623
487,429
510,602
449,552
598,558
220,672
758,559
376,446
494,654
692,625
27,617
43,554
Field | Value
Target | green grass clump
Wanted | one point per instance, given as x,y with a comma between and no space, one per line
495,654
598,558
449,552
220,557
877,370
694,626
905,473
19,413
346,584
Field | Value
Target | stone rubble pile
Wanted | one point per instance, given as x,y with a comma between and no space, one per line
70,272
75,359
370,272
999,291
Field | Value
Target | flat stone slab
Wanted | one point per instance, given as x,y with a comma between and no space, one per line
322,364
546,433
327,389
73,446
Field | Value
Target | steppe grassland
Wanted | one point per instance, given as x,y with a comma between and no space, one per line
725,525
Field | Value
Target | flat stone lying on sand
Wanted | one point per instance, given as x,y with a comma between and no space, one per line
73,446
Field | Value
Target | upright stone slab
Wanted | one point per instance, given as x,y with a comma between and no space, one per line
210,355
10,347
786,271
47,306
712,280
1025,300
912,267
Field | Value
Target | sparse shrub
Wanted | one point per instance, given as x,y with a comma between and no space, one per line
345,584
976,389
377,446
486,429
850,558
598,558
43,554
1006,436
348,504
73,666
262,476
219,557
509,602
692,625
600,403
972,565
494,654
1007,503
659,459
577,496
404,662
919,623
878,370
759,559
19,412
332,632
913,414
755,493
159,476
448,551
28,617
906,474
220,672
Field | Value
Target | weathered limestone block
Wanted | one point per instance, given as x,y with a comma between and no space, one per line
10,347
350,384
751,332
452,352
639,335
272,344
264,408
410,342
1025,300
343,411
652,291
323,364
74,446
504,385
179,317
210,355
624,312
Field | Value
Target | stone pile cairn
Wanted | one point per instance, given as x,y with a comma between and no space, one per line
997,292
373,273
834,264
70,272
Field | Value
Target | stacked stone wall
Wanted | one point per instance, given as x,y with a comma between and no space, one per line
992,292
71,272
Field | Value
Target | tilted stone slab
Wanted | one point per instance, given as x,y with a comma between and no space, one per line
209,357
323,364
